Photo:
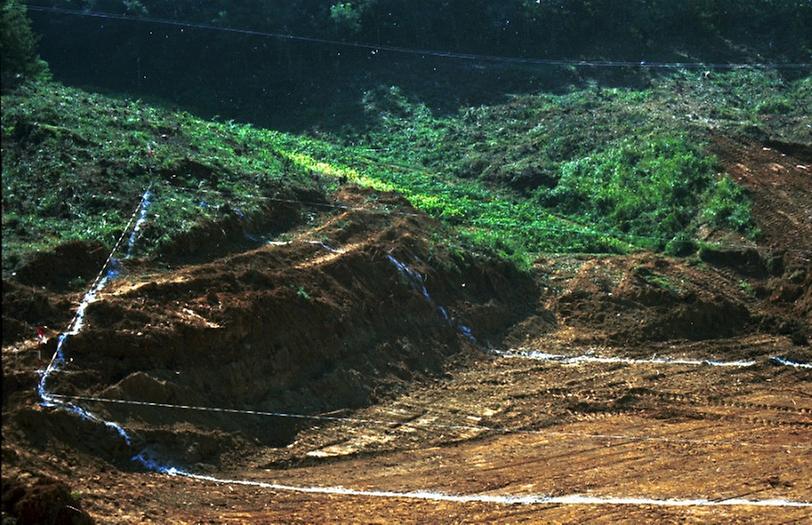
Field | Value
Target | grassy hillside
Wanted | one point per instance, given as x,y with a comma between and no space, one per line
75,165
593,170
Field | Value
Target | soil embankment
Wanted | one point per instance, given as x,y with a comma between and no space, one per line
320,322
323,321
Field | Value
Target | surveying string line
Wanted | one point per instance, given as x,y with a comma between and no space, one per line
536,355
504,499
431,425
49,400
90,294
415,51
142,218
524,353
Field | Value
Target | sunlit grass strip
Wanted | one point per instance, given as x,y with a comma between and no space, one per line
481,215
307,162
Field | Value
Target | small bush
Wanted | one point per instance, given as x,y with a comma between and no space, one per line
346,17
681,245
726,205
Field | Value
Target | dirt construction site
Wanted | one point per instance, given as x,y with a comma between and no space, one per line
353,372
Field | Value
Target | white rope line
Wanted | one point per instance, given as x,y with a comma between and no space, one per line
75,324
413,51
142,218
535,355
321,244
500,499
446,426
788,362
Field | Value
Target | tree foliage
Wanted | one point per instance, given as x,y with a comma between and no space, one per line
562,28
289,83
18,53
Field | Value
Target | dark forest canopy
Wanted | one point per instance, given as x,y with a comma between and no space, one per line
292,84
622,29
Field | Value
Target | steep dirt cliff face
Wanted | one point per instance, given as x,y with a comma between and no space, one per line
430,370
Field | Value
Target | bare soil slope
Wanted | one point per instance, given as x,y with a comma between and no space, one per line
327,324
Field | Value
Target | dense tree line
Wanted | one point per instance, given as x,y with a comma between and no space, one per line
265,79
627,29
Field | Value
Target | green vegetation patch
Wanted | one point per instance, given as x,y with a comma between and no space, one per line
652,190
75,165
486,217
592,170
630,165
521,144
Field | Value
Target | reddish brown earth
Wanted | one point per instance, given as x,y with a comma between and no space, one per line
297,328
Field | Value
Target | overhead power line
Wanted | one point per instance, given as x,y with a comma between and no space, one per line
417,51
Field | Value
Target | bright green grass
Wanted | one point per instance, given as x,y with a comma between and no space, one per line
652,189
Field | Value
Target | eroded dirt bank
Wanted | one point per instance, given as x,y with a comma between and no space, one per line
328,324
336,316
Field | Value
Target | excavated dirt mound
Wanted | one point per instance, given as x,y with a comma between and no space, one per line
645,298
778,177
779,182
26,307
57,268
235,231
323,322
